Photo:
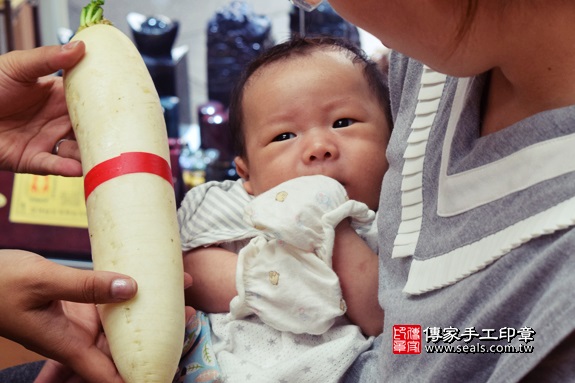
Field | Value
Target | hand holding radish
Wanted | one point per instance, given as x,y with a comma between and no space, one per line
33,113
33,313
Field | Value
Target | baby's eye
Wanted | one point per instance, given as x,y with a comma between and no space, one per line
343,122
283,137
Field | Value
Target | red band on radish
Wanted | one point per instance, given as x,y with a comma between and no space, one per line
126,163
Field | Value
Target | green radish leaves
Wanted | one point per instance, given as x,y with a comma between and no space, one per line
92,14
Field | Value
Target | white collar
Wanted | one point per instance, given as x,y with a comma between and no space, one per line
461,192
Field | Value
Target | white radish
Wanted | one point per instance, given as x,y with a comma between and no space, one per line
119,125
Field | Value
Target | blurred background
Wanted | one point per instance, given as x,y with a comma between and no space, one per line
42,20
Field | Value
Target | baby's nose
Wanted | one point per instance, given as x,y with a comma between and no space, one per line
321,150
320,155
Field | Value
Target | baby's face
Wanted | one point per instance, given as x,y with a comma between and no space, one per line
314,115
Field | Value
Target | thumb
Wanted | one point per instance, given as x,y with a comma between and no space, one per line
86,286
28,65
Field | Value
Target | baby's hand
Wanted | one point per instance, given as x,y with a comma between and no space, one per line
304,212
292,211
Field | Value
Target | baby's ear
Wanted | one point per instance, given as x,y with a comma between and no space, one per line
243,171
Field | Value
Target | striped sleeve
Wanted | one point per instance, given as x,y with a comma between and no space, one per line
212,213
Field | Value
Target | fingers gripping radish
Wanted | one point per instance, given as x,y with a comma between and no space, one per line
119,124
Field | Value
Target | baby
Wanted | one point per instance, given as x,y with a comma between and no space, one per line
310,122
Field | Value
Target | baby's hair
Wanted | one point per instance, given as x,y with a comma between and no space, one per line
299,46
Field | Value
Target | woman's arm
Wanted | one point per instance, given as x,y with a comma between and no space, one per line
357,268
213,270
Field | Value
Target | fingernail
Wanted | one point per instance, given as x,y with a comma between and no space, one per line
71,45
123,289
